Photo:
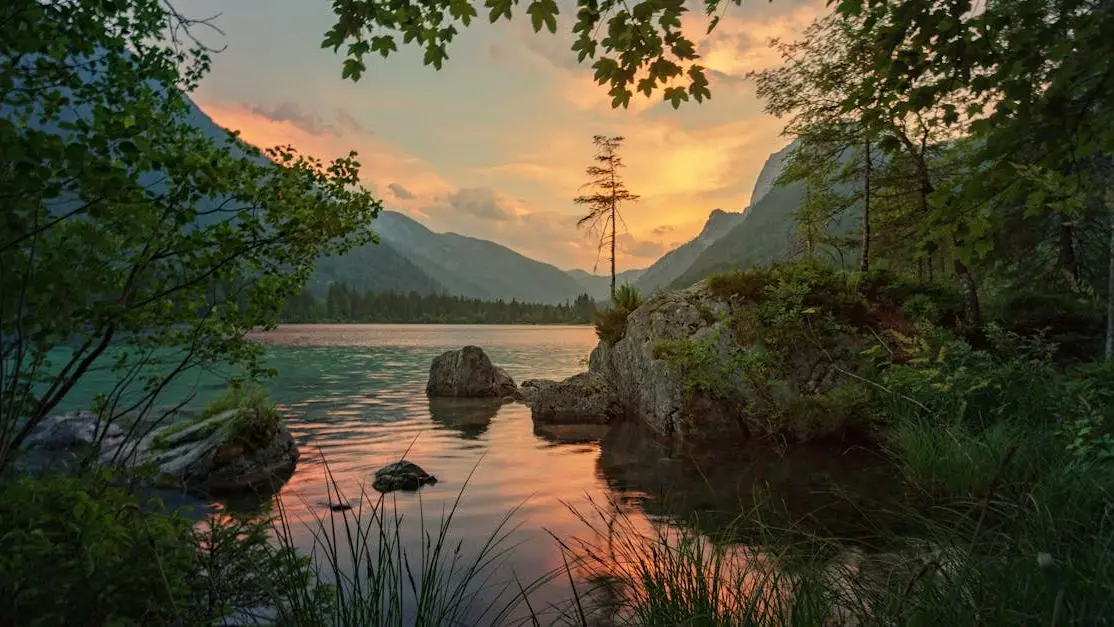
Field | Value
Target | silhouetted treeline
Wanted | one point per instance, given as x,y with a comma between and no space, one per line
343,304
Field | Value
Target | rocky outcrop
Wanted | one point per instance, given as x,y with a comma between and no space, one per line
196,454
401,475
468,373
585,398
678,368
653,388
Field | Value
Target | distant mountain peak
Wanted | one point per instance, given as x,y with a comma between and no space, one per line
719,221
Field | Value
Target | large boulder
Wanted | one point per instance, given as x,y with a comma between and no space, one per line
696,364
469,373
194,453
585,398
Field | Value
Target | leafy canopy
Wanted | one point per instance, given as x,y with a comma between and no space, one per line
130,241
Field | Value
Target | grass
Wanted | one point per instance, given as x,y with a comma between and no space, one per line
361,560
253,425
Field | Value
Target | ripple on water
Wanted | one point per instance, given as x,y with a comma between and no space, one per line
355,400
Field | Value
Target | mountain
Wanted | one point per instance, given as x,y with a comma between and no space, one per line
772,169
473,267
766,235
599,286
767,231
675,262
375,268
681,261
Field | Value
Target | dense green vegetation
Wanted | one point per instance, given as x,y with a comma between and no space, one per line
969,146
342,304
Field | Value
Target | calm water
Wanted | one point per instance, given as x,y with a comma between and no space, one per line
354,395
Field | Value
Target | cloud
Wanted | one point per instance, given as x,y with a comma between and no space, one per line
382,162
481,202
400,191
498,54
347,122
291,112
307,120
645,249
663,229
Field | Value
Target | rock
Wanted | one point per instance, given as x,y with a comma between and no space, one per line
468,372
192,455
73,430
585,398
401,475
268,467
650,386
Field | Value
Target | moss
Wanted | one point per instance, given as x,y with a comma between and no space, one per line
698,364
253,426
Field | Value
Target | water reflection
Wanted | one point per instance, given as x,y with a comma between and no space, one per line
821,487
470,417
354,399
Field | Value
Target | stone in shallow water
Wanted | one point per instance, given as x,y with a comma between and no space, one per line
402,475
468,372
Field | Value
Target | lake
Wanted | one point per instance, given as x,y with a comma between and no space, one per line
354,397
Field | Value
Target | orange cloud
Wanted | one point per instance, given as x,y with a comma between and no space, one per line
382,162
741,42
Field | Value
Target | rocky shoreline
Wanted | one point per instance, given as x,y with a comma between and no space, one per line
684,365
179,450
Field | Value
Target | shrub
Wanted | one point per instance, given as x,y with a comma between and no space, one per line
611,322
77,552
746,285
844,407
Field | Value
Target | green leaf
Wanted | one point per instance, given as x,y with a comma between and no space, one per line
498,9
543,13
675,96
353,68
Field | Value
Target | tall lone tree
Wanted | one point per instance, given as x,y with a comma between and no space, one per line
609,193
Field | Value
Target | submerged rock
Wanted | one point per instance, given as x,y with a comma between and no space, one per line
468,372
401,475
198,455
585,398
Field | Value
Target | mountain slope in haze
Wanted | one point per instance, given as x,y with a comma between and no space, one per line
767,232
410,257
679,261
774,166
599,286
675,262
765,236
473,267
374,268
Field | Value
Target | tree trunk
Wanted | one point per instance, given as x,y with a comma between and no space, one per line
864,263
971,309
613,250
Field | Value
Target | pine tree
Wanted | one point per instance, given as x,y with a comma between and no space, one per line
609,193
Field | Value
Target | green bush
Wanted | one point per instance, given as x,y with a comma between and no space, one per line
75,551
746,285
611,322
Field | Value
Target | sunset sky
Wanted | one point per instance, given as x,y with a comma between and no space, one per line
495,144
